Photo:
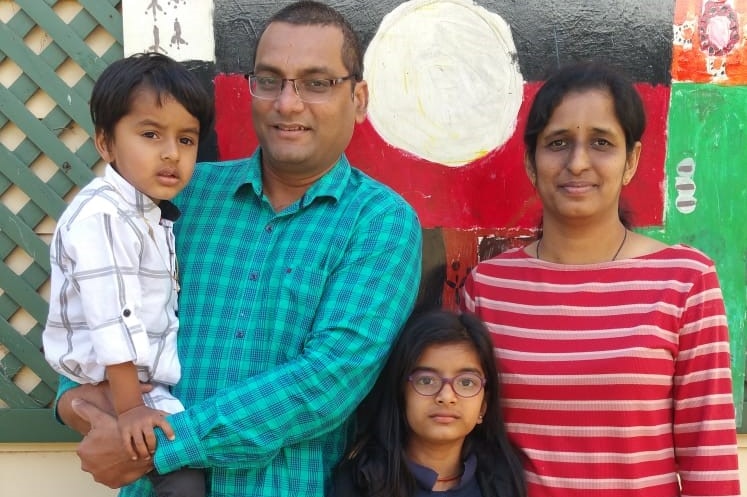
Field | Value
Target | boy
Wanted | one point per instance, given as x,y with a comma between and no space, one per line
114,282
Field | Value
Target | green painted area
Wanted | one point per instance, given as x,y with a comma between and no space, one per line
707,129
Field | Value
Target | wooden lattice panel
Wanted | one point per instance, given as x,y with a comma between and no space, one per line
51,52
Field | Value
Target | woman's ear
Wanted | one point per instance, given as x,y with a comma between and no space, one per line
631,164
530,169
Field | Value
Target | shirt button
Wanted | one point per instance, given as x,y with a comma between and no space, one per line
253,276
239,334
268,228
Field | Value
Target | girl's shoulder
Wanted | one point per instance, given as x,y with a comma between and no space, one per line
342,481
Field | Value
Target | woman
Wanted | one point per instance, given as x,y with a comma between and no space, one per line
432,424
613,346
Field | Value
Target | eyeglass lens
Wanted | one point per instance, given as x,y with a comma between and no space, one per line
464,385
308,90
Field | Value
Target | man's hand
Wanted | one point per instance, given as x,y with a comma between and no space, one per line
98,395
102,452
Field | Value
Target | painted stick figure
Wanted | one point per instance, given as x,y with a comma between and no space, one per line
177,39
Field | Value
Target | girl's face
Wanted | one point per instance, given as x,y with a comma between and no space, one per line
444,418
581,162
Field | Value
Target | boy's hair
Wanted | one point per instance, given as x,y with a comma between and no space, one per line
311,13
111,98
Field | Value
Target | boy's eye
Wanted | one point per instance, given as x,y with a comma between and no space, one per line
149,134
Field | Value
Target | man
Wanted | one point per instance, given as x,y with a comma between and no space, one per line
298,272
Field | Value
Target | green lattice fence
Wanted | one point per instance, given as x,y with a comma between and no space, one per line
51,52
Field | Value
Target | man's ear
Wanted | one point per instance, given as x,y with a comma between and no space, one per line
360,99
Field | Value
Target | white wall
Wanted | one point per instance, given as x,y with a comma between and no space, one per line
52,470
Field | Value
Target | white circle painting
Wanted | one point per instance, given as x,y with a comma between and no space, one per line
444,80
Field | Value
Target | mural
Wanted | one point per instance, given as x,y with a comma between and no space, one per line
168,27
450,86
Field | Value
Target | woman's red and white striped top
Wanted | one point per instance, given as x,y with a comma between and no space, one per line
616,376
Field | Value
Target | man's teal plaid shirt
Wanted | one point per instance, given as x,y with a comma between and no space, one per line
285,321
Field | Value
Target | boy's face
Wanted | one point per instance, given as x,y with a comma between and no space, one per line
153,147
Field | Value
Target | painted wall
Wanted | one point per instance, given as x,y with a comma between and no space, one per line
450,85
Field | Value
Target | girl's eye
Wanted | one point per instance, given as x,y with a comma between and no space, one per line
187,141
426,380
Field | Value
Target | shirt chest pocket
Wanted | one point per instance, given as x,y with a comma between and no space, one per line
299,293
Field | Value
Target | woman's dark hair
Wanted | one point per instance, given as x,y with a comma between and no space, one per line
310,13
578,77
377,459
111,97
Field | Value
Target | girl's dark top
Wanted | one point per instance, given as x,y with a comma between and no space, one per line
472,483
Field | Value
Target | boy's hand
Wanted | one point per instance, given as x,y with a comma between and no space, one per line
136,428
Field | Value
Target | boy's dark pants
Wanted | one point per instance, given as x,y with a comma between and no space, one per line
185,482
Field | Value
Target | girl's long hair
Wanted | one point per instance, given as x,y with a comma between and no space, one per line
377,458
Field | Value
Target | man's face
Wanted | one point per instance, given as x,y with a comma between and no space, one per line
301,139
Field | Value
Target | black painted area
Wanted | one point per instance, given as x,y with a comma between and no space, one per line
205,72
635,35
430,293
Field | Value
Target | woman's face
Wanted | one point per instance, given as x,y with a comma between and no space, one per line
444,418
581,161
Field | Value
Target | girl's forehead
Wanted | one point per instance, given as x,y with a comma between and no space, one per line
442,356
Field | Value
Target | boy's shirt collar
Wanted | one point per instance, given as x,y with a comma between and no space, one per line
138,200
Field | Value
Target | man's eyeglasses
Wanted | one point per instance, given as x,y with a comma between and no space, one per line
465,385
310,90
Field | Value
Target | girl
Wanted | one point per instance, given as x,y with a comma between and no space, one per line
432,424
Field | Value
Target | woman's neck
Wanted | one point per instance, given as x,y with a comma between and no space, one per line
581,245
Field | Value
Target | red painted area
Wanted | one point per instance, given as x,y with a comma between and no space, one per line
491,192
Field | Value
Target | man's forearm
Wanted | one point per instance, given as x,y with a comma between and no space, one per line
97,395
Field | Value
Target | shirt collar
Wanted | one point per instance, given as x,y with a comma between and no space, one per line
138,201
331,185
426,477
